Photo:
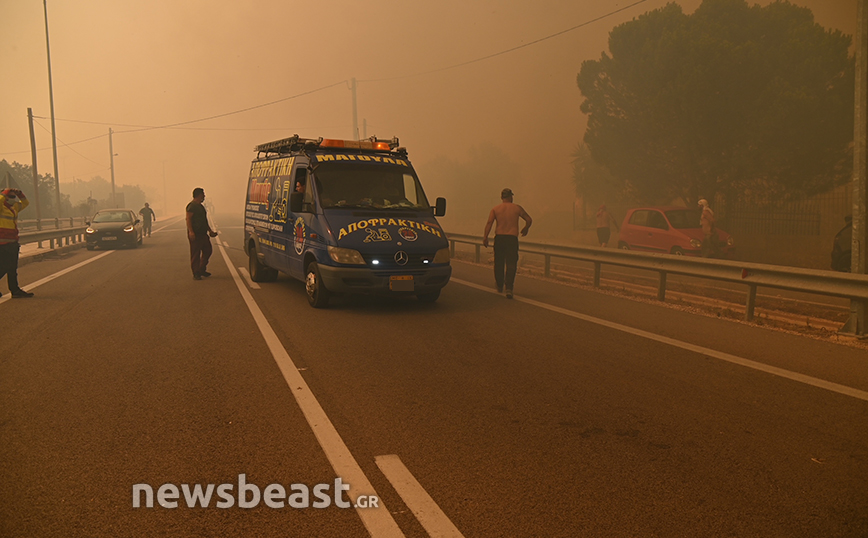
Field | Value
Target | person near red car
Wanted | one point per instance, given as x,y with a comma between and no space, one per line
710,248
604,218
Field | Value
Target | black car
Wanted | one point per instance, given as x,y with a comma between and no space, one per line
842,246
114,227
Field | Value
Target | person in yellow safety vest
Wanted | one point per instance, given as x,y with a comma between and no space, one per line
12,201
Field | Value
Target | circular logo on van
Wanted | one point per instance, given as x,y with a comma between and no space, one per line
408,233
401,257
299,235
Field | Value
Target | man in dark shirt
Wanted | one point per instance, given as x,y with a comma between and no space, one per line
198,232
147,215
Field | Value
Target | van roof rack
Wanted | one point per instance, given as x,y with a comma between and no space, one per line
295,143
287,145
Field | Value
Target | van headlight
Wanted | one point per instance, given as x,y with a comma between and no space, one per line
129,228
730,241
346,256
695,243
89,230
442,256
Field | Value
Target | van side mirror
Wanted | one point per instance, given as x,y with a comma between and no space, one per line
296,200
440,207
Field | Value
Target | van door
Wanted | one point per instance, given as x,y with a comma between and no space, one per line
302,222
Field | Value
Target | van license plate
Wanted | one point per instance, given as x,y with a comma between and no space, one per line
110,238
401,283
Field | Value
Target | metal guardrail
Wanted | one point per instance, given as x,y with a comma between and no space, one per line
56,237
25,225
752,275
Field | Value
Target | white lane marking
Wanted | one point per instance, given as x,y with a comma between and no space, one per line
426,510
780,372
49,278
226,244
243,270
378,521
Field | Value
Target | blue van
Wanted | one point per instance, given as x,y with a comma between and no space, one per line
343,216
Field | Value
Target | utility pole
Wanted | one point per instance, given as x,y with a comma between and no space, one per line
859,246
35,173
165,199
355,111
112,165
53,127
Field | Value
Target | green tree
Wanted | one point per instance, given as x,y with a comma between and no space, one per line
22,177
739,100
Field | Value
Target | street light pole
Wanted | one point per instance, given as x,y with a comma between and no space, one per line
112,164
53,127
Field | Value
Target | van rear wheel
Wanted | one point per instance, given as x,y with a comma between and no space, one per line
258,271
317,294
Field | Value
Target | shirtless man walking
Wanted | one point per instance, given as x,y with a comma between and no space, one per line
506,239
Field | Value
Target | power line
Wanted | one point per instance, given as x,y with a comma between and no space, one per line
140,128
171,125
513,49
67,145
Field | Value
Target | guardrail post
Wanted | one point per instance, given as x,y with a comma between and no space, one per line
661,286
598,270
750,303
477,252
548,264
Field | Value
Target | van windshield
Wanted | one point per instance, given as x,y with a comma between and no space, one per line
360,185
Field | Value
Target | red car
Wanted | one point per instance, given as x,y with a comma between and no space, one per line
671,229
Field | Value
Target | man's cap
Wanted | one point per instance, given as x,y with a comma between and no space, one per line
703,202
506,193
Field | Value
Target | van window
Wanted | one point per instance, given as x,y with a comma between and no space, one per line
360,185
300,185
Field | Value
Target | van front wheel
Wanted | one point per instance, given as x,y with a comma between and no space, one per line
317,294
259,272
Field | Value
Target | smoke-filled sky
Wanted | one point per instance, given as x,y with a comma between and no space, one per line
133,65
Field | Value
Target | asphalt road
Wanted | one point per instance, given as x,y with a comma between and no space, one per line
562,413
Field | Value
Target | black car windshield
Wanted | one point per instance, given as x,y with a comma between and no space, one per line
360,185
112,216
683,218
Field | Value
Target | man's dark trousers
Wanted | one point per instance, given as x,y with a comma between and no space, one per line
505,253
9,264
200,253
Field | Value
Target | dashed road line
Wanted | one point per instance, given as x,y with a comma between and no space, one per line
378,521
426,510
